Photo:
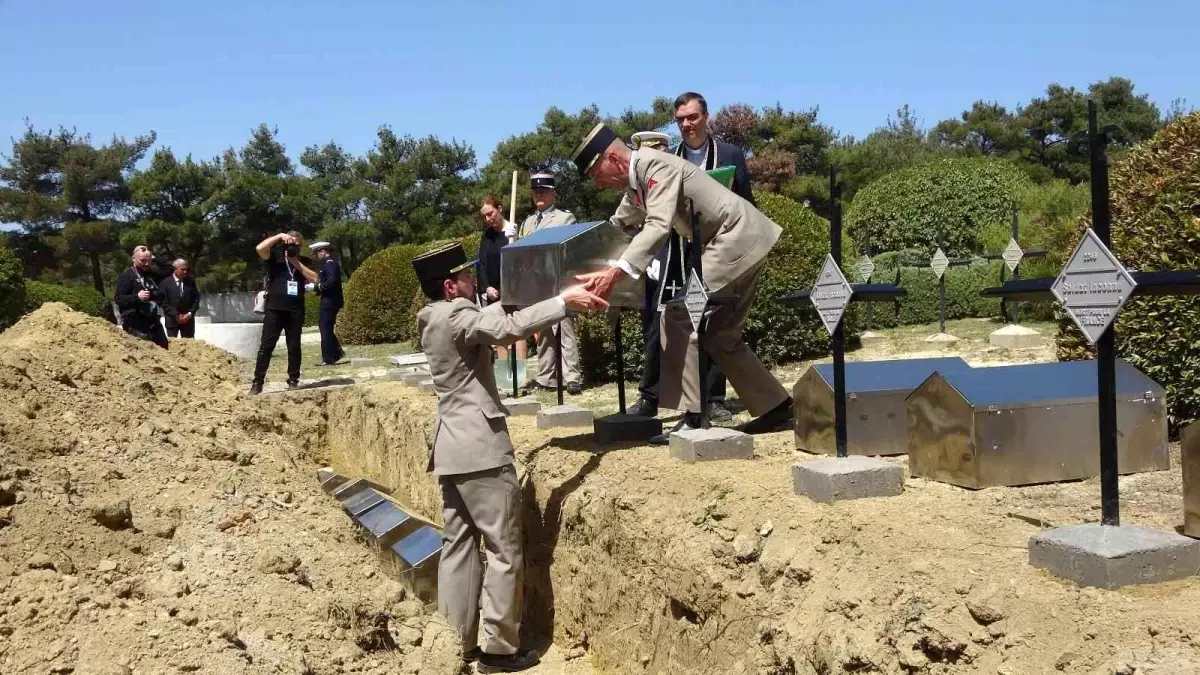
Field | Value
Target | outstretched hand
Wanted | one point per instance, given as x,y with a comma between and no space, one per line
580,299
603,282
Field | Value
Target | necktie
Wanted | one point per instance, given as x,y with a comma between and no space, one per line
538,222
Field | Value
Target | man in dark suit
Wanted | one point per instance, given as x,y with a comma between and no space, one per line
181,298
138,298
707,153
329,287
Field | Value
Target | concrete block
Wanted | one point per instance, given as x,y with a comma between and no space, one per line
871,337
1114,556
427,385
839,478
417,359
1190,440
361,363
415,377
1013,336
521,407
564,416
942,338
699,445
617,427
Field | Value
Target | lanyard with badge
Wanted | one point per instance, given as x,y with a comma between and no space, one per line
147,285
293,286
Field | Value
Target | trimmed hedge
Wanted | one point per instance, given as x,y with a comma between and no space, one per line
79,298
380,295
920,305
906,208
780,333
12,288
1155,206
312,309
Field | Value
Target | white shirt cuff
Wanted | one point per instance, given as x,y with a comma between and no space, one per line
628,269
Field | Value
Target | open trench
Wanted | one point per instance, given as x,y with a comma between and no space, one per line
640,563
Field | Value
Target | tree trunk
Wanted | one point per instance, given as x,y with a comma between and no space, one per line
97,278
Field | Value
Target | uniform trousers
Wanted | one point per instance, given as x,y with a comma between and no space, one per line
758,389
548,354
482,506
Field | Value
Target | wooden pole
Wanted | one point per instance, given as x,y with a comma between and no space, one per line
512,204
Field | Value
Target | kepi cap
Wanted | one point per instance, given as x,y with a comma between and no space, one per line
542,180
434,267
651,139
592,146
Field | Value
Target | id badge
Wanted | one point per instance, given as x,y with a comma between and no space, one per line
293,288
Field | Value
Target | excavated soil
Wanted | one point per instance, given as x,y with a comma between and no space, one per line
155,520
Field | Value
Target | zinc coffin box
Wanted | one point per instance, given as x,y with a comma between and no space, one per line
544,263
1032,423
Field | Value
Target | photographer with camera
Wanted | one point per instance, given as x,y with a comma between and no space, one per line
138,298
286,278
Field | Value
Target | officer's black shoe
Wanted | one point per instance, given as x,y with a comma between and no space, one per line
471,655
717,412
689,421
643,408
255,388
574,388
293,384
509,663
777,419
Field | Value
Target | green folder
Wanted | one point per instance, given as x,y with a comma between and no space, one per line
724,176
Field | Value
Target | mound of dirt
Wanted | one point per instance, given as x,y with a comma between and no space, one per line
154,519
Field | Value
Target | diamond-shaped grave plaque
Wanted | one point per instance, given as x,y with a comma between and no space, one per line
419,546
362,501
696,300
1093,286
866,267
1012,254
831,294
939,263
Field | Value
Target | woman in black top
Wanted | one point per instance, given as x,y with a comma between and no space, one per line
497,232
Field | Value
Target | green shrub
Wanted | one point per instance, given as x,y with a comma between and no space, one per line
907,208
312,309
1155,201
79,298
379,297
12,288
921,305
781,333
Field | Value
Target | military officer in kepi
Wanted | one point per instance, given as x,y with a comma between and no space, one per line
549,215
661,191
329,287
472,455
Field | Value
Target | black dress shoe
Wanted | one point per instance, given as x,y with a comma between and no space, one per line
509,663
689,421
574,388
778,418
643,408
293,384
256,388
717,412
471,655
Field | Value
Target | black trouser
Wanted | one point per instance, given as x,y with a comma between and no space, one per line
146,330
331,349
278,321
185,330
648,388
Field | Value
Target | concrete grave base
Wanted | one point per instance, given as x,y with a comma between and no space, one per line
415,376
1114,556
839,478
942,338
1013,336
564,416
427,385
700,445
418,359
361,363
520,407
871,337
617,427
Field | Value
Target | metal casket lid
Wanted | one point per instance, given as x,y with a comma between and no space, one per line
890,376
1036,384
551,236
542,264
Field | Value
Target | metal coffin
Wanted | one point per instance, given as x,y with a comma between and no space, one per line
876,421
542,264
1190,440
1034,423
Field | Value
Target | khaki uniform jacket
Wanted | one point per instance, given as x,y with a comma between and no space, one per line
736,236
471,432
553,217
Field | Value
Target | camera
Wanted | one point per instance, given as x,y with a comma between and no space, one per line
291,250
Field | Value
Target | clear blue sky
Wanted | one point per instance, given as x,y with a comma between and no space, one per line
203,74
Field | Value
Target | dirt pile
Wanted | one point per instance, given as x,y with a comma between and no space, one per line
153,519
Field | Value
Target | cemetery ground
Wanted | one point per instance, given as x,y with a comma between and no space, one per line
135,540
